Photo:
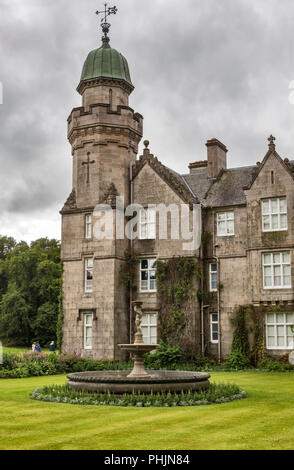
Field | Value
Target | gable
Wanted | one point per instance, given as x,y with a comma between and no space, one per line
272,175
151,188
172,179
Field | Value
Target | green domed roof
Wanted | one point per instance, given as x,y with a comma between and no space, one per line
106,62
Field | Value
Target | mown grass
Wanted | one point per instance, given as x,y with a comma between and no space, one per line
21,350
265,420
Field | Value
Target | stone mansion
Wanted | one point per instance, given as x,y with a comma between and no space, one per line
248,211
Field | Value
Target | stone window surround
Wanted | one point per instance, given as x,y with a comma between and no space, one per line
88,226
148,325
278,323
149,222
85,259
148,258
227,219
211,289
213,322
273,287
271,213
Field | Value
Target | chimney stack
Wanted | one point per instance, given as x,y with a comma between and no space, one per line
216,157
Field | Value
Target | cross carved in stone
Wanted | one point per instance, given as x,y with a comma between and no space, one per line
88,163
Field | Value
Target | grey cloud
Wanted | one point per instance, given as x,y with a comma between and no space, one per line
201,70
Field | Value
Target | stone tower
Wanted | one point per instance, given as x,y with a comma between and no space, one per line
104,134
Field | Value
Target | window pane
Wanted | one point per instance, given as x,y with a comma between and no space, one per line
230,227
283,205
151,215
265,207
221,216
214,281
289,317
215,336
230,215
277,258
144,264
90,263
267,258
266,222
153,319
143,231
153,264
275,222
144,285
144,320
271,341
283,221
270,318
274,204
213,267
222,228
271,331
267,281
286,257
280,318
144,275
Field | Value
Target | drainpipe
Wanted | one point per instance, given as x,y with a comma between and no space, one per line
131,247
219,346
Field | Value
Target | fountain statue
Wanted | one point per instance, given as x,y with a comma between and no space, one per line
122,381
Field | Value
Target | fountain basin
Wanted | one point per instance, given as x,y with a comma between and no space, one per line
119,381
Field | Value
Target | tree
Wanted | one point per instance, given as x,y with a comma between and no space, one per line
30,287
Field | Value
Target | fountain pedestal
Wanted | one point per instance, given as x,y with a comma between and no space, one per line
138,351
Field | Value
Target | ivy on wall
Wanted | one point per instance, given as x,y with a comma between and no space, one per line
177,282
129,270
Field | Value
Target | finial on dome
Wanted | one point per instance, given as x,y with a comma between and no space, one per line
104,24
271,140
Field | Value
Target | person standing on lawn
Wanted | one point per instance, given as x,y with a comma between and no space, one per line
52,346
38,347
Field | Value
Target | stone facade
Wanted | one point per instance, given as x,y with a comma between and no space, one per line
104,134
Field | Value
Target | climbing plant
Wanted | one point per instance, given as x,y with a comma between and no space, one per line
177,279
128,271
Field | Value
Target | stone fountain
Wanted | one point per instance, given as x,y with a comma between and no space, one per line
138,380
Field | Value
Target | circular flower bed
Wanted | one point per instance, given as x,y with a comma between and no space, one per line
217,393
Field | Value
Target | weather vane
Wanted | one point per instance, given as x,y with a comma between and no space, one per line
104,24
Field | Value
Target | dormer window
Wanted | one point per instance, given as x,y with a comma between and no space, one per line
274,214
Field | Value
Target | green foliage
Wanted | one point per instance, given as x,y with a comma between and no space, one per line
128,271
30,285
166,355
274,366
237,361
177,294
217,393
37,364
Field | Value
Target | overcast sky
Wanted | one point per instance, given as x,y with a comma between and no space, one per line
201,69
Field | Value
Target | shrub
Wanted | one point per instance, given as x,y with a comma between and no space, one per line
237,361
275,366
165,356
217,393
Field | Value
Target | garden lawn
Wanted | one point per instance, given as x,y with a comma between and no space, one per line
265,420
21,350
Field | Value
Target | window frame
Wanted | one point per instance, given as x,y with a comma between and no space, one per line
211,289
88,326
87,225
272,265
226,220
149,325
270,214
86,270
276,324
149,269
211,323
148,222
